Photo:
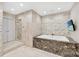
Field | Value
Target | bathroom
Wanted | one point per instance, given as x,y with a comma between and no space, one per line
25,23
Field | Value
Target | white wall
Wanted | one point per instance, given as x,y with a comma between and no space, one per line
75,16
55,24
1,21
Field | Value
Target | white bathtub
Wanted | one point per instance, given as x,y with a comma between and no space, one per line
54,37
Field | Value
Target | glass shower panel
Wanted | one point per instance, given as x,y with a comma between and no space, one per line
5,29
8,29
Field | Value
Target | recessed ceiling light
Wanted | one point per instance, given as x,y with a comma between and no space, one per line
45,12
12,9
21,4
58,8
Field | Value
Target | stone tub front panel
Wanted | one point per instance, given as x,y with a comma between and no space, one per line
65,49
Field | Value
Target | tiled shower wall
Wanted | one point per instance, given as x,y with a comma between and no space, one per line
55,24
26,19
18,29
31,26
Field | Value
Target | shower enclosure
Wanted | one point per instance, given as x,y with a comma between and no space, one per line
10,33
8,29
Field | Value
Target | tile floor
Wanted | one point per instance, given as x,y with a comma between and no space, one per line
24,51
12,45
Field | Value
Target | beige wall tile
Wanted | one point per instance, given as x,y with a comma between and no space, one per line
55,24
31,26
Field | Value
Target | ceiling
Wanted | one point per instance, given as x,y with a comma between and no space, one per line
42,8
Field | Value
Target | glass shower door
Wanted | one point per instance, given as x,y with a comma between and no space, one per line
5,29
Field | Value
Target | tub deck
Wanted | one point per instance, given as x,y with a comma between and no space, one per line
66,49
